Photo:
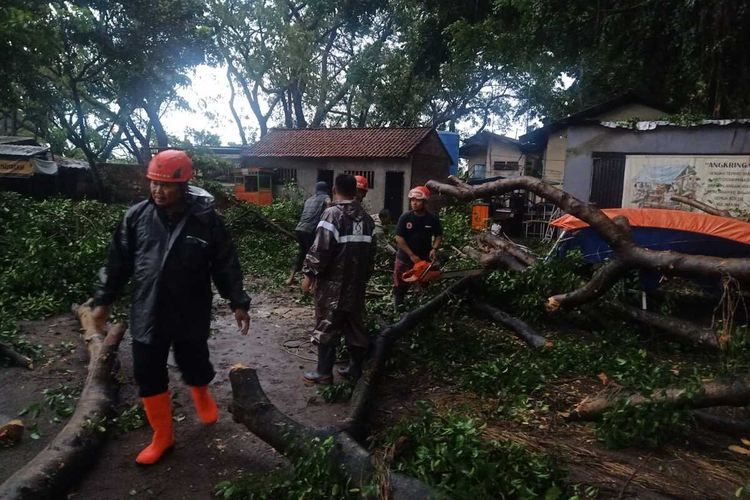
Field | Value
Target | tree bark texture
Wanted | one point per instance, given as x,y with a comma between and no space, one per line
678,329
508,247
522,329
252,408
719,392
615,235
70,453
602,280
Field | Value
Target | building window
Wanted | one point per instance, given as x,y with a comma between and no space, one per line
285,175
251,183
477,171
367,174
505,165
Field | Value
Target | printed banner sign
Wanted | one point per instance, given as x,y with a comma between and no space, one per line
16,168
720,181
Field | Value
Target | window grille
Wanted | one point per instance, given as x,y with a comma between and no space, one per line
367,174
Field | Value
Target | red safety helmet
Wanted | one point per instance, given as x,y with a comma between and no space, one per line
361,182
420,193
171,165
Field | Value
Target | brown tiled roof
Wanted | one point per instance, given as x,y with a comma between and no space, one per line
339,142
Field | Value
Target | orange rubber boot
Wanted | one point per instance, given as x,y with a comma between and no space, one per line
159,414
205,405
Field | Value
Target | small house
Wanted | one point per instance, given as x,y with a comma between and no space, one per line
393,160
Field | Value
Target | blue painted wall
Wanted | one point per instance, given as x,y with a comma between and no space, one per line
450,141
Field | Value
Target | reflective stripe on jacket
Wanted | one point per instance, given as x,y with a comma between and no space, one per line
342,257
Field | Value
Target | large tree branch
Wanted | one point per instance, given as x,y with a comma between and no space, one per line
362,394
508,247
675,327
522,329
72,451
720,392
252,408
616,236
604,278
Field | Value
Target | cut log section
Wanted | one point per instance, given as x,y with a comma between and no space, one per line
522,329
7,351
252,408
56,468
720,392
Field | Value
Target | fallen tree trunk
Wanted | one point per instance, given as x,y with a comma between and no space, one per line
520,328
72,451
17,359
704,207
615,235
679,329
501,260
252,408
720,392
508,247
362,394
497,259
604,278
724,425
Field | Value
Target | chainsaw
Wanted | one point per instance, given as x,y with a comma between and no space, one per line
427,271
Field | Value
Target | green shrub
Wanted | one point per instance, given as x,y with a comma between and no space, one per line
523,294
313,475
448,451
643,426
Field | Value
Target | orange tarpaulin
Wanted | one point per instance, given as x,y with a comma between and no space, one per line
678,220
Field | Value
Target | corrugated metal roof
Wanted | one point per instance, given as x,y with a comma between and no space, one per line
18,140
24,151
651,125
339,142
72,163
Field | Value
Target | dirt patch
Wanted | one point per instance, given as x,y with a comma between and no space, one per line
277,347
203,456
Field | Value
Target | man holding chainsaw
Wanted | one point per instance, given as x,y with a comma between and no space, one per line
418,236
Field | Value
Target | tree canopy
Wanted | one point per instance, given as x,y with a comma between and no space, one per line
95,76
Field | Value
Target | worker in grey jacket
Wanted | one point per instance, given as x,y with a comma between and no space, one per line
308,221
338,266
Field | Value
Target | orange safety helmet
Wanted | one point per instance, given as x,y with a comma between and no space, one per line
171,165
420,193
361,182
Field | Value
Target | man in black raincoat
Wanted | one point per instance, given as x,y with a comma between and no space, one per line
172,245
338,266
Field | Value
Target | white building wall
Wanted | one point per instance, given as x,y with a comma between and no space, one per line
374,202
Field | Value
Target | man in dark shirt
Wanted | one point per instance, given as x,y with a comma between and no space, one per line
418,236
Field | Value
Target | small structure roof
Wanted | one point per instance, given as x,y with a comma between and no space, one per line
652,124
480,141
22,151
340,142
589,114
18,140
